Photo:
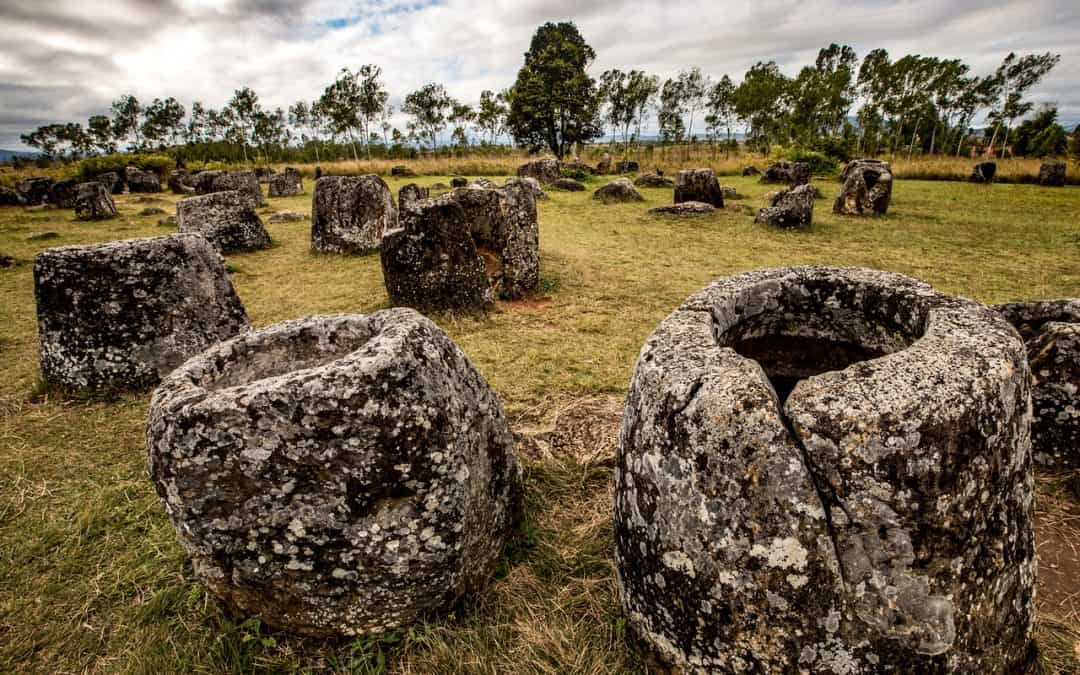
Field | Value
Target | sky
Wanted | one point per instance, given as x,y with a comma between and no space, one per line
64,60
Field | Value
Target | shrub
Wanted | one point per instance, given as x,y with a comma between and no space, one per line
577,174
95,166
819,162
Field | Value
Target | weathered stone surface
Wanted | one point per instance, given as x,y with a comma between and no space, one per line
263,174
729,192
1051,331
531,185
9,197
459,182
983,172
288,183
337,475
618,190
411,193
401,170
35,191
139,181
684,209
504,227
698,185
112,181
629,166
152,211
792,173
751,171
1052,174
793,207
227,220
286,217
209,182
181,182
93,202
547,171
168,221
485,183
431,262
865,188
121,315
349,214
827,470
568,185
62,193
652,180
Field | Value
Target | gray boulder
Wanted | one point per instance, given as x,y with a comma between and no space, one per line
121,315
547,171
227,219
791,173
815,475
411,193
729,192
112,181
139,181
485,183
9,197
286,217
431,262
402,170
698,185
866,188
652,180
1052,174
751,171
35,191
209,182
349,214
792,208
568,185
181,182
626,167
618,190
336,476
1051,332
93,202
684,209
263,174
983,172
459,182
288,183
531,185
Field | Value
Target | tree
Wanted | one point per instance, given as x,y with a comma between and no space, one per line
343,102
461,116
491,114
430,107
100,130
1074,143
693,88
553,102
720,110
196,130
626,94
162,121
126,112
669,116
371,103
244,109
762,100
1016,75
1041,136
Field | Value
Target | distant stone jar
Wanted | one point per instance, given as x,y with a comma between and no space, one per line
792,173
983,172
411,193
121,315
1051,331
141,181
227,219
209,182
698,185
792,208
618,190
546,171
815,474
349,214
93,202
1052,174
865,188
336,476
288,183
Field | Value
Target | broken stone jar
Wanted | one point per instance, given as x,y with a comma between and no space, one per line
338,475
827,469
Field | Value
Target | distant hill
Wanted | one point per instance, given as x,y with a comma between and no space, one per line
7,155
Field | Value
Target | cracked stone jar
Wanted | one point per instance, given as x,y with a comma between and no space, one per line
337,475
828,470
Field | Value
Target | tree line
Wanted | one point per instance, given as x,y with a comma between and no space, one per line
913,104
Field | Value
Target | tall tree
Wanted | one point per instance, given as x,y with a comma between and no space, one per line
491,114
693,88
340,102
126,122
720,110
244,109
430,107
163,121
196,130
101,133
553,102
671,112
1016,75
372,101
761,101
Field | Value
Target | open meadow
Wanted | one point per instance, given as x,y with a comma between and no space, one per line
92,578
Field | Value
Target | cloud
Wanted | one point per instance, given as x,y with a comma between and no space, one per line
67,59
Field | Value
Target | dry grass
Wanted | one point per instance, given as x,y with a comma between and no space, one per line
91,576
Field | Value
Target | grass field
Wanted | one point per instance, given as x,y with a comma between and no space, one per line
93,580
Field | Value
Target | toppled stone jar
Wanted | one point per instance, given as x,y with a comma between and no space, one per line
338,475
866,188
698,185
227,219
828,470
121,315
1051,331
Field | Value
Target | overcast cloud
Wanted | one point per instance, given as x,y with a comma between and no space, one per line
64,60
